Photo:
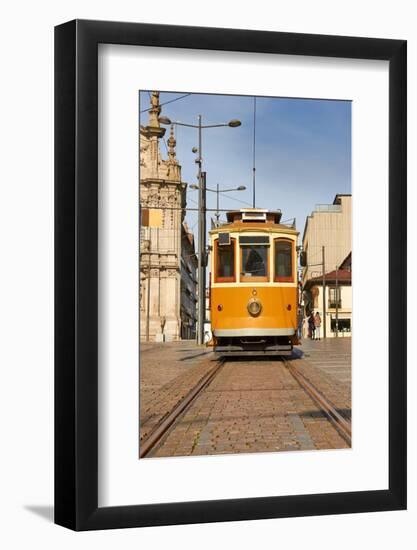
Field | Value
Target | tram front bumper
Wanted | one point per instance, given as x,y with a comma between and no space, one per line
253,346
221,352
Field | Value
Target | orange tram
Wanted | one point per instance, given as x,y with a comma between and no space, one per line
253,284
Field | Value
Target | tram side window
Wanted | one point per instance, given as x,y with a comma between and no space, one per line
225,262
283,260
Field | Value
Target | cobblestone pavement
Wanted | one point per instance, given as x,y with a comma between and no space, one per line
254,405
327,365
332,356
168,372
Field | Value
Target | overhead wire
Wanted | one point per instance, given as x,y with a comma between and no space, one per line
166,102
235,199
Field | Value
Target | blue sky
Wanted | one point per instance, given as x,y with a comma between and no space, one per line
303,150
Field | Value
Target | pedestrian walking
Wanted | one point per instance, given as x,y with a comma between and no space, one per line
317,325
311,326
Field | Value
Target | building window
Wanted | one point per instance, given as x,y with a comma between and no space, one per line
283,260
343,325
335,298
225,262
254,259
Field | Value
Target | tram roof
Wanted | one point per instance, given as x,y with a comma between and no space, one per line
254,219
254,214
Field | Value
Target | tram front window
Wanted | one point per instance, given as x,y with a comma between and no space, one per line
254,262
283,260
225,260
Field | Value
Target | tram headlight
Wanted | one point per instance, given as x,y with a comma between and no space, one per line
254,307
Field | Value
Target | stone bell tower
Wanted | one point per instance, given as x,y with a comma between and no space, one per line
160,247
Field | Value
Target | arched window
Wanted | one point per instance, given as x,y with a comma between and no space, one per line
284,260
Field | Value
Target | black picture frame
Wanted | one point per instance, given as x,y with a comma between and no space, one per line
76,272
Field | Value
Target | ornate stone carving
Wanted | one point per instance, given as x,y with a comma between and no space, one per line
161,187
155,111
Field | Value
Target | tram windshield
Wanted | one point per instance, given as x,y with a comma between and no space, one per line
254,262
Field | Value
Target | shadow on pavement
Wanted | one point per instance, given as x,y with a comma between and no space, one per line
346,413
194,356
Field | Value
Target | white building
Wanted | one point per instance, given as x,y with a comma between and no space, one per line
328,236
338,299
329,226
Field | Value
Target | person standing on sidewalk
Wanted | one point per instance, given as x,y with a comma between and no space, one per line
311,326
317,325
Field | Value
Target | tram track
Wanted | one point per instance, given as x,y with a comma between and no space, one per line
340,423
148,443
152,440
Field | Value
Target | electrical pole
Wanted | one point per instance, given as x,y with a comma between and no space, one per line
324,291
202,263
217,206
201,242
204,248
201,250
200,235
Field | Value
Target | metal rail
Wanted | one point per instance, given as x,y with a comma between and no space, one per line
339,422
154,437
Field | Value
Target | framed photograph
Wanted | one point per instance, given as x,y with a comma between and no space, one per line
230,229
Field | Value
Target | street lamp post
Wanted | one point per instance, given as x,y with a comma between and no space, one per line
201,268
218,191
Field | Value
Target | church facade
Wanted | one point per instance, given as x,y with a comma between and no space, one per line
168,261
